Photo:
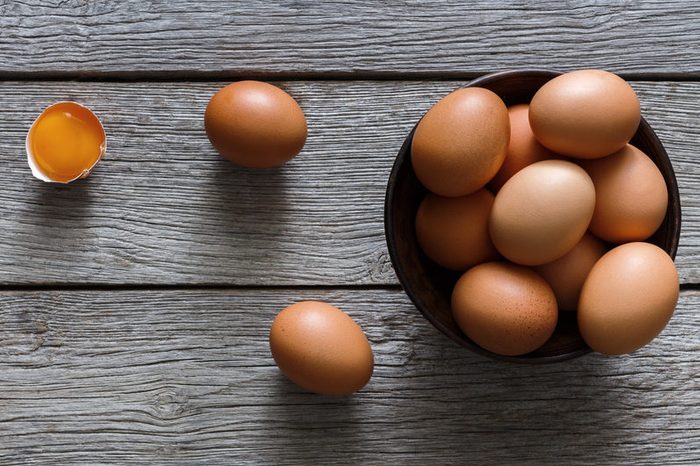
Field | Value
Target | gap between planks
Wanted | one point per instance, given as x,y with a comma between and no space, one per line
207,286
223,287
206,76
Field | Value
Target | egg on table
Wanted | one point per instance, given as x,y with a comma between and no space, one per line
255,124
321,348
460,143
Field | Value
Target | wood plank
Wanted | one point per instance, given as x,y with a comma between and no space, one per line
340,37
163,208
173,377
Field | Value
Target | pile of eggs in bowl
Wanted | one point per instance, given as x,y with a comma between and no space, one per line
545,208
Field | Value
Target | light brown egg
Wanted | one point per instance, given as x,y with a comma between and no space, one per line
321,349
628,298
586,114
567,274
461,142
454,231
542,212
631,196
523,148
255,124
504,308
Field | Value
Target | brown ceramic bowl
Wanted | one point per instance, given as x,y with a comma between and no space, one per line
430,286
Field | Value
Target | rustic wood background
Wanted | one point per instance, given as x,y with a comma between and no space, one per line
135,305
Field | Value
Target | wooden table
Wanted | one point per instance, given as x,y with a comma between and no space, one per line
135,305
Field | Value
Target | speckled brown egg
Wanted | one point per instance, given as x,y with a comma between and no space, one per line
504,308
454,232
628,298
567,274
460,143
523,148
542,212
585,114
255,124
631,196
321,349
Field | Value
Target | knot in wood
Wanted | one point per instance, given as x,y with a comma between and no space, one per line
171,404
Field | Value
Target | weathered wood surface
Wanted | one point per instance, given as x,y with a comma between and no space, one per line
163,208
162,37
185,377
165,374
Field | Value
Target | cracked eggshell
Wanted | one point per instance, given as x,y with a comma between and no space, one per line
35,167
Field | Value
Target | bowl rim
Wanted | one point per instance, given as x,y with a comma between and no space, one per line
390,232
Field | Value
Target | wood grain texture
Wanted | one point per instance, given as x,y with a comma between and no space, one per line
164,208
185,377
162,37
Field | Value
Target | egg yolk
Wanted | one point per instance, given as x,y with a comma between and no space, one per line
66,140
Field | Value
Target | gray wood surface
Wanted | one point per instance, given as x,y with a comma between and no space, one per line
164,208
162,37
185,377
115,349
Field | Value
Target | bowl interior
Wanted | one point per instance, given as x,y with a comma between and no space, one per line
430,286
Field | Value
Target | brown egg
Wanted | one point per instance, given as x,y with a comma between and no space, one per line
504,308
523,149
631,196
454,231
321,349
628,298
567,274
586,114
461,142
542,212
255,124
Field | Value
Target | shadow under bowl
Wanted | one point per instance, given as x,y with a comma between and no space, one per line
429,286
